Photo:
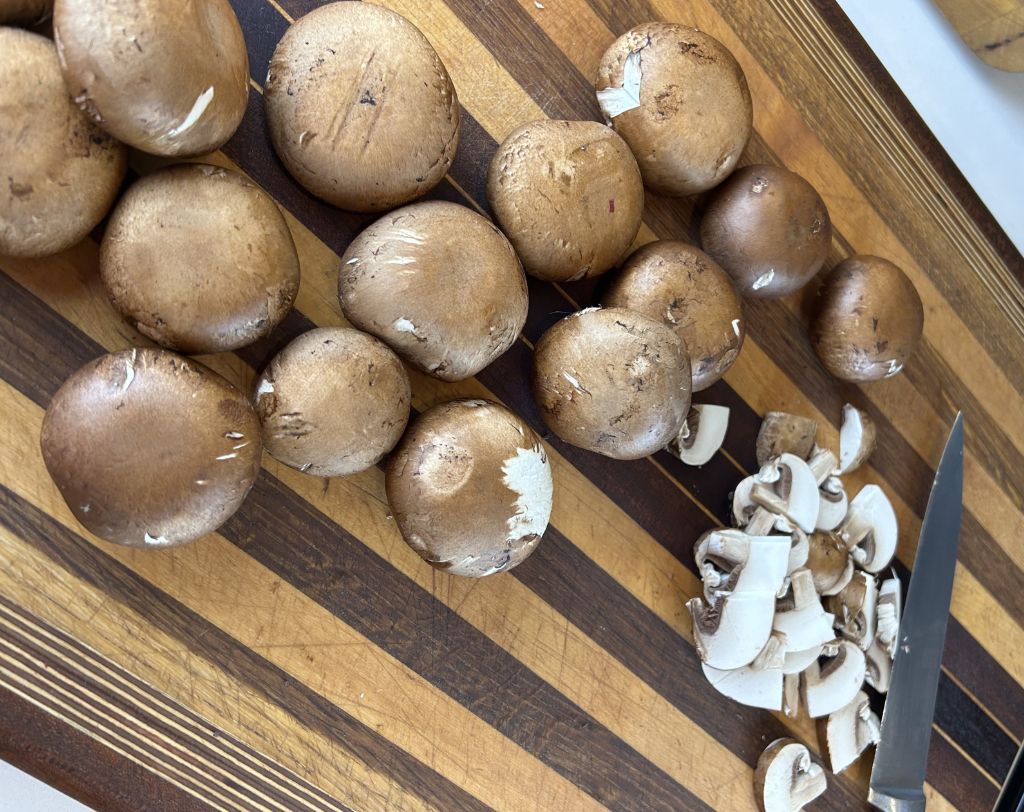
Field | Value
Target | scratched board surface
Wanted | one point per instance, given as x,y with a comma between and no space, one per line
305,658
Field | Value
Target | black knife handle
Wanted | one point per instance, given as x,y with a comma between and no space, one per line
1011,799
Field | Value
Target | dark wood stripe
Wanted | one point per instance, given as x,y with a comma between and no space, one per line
957,779
980,737
78,765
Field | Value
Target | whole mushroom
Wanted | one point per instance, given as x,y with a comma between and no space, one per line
61,181
683,287
470,487
680,100
568,195
868,320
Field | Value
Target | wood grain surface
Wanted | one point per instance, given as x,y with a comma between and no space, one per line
304,657
993,29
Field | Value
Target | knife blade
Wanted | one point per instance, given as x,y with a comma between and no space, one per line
901,758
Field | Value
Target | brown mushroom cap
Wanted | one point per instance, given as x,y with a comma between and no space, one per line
569,197
149,448
360,107
333,402
170,78
470,488
685,289
769,229
199,259
612,381
869,319
61,173
25,12
437,283
690,116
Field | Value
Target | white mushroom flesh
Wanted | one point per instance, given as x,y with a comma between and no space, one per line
801,618
870,530
757,688
702,434
832,686
856,439
786,779
786,486
849,731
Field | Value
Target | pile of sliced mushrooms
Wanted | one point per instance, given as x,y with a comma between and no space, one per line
795,612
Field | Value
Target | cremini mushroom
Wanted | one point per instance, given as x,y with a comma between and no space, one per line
199,259
870,530
786,486
470,487
786,779
333,402
754,687
680,100
24,12
829,561
731,631
783,433
61,172
868,320
569,197
168,77
612,381
769,229
854,609
683,287
360,108
828,688
149,448
731,561
702,434
848,732
800,616
439,284
856,439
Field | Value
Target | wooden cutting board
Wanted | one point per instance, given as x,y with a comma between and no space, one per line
305,658
993,29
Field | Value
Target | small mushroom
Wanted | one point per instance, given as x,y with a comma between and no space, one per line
869,320
786,779
756,688
800,616
887,621
731,561
786,487
24,12
702,434
879,667
848,732
854,609
612,381
856,439
829,561
733,629
783,433
769,229
470,487
869,530
828,688
569,197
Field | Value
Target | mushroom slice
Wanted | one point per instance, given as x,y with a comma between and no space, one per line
832,504
731,561
791,695
854,609
856,439
887,620
879,667
786,779
783,433
786,486
731,631
829,561
848,732
744,508
869,530
796,662
822,463
800,616
773,655
702,434
758,688
832,686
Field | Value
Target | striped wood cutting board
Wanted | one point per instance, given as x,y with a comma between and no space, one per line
305,658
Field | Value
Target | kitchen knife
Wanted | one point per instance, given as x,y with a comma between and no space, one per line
901,758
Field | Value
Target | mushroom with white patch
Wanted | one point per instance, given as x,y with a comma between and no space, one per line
786,779
702,434
786,486
870,530
854,609
848,732
830,687
784,433
857,437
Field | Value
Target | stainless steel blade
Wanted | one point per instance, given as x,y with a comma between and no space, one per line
897,778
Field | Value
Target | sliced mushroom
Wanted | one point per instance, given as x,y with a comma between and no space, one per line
758,688
869,530
800,615
856,439
796,662
822,463
731,631
828,688
783,433
791,695
848,732
830,561
702,434
878,662
854,609
887,616
832,504
731,561
786,779
786,486
773,655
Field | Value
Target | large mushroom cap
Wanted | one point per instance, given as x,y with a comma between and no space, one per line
60,171
361,110
769,229
199,259
869,319
437,283
170,77
333,402
149,448
568,195
25,12
680,100
612,381
470,487
683,287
